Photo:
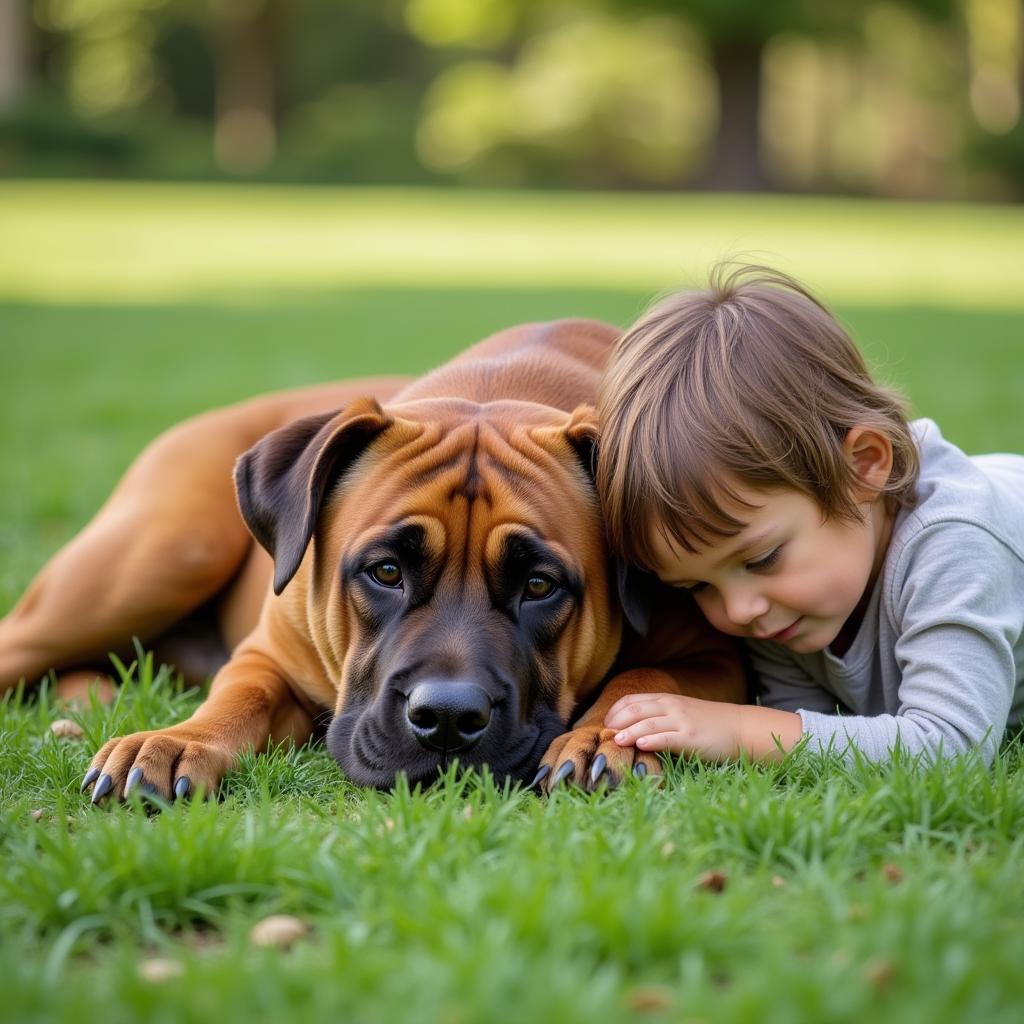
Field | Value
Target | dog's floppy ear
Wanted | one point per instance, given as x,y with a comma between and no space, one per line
636,588
582,434
282,480
636,595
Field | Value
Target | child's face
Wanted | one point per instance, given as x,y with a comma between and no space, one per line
790,575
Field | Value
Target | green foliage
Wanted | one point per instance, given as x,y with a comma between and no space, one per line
877,98
593,101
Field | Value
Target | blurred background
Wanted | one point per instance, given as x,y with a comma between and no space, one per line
201,200
910,98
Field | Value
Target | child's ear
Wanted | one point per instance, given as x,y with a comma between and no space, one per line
869,452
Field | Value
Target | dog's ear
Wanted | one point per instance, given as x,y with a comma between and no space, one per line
636,595
282,480
582,434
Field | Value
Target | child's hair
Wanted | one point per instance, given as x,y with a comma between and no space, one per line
750,382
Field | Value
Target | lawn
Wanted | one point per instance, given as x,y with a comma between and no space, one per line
850,893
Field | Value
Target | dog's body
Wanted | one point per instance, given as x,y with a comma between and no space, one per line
440,580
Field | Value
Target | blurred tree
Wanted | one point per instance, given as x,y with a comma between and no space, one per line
564,93
737,32
14,58
105,59
995,39
351,89
868,96
246,35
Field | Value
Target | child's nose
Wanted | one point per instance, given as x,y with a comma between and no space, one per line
743,605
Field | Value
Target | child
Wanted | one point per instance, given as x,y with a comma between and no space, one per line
870,567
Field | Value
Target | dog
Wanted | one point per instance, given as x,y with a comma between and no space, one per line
420,561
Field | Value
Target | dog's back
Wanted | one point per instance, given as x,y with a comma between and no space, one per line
556,363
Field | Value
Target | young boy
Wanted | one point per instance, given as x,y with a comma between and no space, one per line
870,567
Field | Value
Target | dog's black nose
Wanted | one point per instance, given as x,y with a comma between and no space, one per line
448,716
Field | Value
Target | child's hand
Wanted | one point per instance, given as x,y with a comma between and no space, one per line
683,725
709,729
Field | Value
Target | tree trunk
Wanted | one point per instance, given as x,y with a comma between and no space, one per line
245,129
736,166
13,53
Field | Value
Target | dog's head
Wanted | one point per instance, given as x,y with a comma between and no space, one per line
446,561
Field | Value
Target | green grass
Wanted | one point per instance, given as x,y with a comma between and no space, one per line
850,892
144,242
123,310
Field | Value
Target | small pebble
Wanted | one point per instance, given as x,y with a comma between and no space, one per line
160,968
892,873
713,881
649,999
280,930
66,729
879,973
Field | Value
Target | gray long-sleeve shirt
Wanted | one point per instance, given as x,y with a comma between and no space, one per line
938,661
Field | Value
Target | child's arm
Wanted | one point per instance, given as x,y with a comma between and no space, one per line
956,616
951,629
707,729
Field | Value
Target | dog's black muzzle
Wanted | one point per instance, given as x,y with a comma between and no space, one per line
420,732
448,716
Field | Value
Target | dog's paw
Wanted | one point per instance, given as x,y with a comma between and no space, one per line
166,763
590,757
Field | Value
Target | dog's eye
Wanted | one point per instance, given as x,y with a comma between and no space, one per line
538,587
387,574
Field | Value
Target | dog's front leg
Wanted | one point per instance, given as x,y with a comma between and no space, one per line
250,705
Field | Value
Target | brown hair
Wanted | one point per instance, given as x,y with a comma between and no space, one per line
751,381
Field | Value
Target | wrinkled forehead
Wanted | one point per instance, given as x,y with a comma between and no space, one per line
496,481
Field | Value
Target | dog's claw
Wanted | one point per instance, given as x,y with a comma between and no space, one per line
134,776
542,773
564,771
102,788
90,777
182,786
640,769
597,768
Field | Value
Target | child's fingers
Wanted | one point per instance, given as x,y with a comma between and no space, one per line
645,727
663,741
631,709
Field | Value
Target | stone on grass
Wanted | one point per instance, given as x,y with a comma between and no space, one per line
713,881
879,973
649,999
280,930
160,968
65,729
892,872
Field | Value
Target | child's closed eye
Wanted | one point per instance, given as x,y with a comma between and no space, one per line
765,563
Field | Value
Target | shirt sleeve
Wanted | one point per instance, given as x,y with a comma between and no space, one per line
955,605
784,684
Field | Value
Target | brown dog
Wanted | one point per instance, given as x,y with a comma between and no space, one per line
440,580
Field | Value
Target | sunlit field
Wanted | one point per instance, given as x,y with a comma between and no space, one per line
849,893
